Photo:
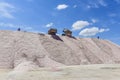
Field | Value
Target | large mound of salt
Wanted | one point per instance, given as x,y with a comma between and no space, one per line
45,50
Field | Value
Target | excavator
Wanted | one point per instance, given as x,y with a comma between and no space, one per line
52,31
67,32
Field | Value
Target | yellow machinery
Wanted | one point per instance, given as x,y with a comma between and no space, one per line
52,31
67,32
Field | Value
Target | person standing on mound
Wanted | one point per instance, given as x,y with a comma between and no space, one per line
18,29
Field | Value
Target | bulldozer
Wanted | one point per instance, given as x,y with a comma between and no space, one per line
67,32
52,31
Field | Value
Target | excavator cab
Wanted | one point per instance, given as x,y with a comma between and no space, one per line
67,32
52,31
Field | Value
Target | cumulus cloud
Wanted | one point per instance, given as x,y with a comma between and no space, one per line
6,10
92,31
49,25
80,24
62,6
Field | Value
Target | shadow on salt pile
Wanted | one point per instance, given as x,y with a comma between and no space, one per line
56,37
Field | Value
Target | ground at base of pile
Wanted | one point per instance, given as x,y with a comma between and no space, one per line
82,72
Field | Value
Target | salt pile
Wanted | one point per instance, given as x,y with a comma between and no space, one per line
39,50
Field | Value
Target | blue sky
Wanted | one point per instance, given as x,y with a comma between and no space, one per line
86,18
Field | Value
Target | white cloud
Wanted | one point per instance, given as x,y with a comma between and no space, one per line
102,3
96,4
49,25
6,10
74,6
62,6
88,6
80,24
103,30
94,20
92,31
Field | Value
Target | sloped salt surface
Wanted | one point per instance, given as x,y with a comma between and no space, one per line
45,50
